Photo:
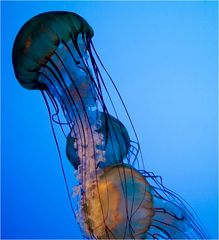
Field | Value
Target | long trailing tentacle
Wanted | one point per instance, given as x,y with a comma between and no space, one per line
167,204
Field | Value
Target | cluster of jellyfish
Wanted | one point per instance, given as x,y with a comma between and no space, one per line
53,52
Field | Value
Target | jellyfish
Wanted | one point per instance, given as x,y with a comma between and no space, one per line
116,197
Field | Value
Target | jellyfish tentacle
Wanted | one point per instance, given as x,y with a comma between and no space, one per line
60,157
114,85
89,126
69,99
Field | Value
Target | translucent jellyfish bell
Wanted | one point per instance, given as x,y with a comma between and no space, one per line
38,40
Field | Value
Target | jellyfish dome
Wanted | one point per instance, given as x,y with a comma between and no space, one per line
39,38
125,215
115,197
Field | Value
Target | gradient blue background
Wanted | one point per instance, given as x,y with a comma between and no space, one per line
163,58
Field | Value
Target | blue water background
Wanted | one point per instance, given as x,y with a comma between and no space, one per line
163,58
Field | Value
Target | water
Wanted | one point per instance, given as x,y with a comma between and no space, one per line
163,58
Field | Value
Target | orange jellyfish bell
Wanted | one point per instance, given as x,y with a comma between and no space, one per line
120,206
